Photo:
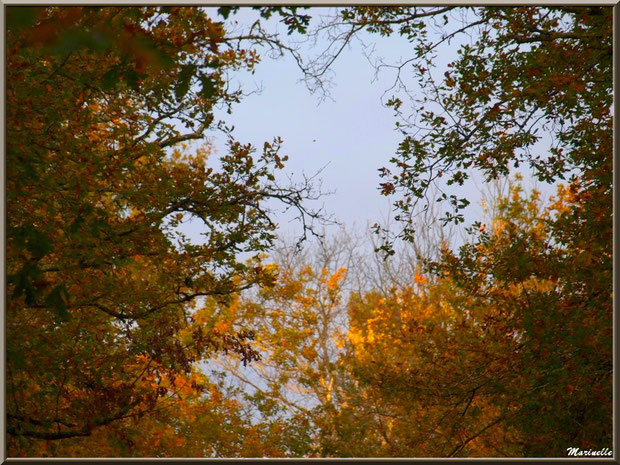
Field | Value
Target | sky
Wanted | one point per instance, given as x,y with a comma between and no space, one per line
346,138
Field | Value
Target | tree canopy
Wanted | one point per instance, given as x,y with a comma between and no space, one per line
126,337
101,105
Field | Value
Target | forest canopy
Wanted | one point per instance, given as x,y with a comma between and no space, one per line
125,337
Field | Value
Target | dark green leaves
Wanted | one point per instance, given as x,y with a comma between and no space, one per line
184,81
23,282
225,11
74,39
209,86
111,78
57,300
31,239
132,79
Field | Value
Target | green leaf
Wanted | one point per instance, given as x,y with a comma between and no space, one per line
224,11
208,87
185,79
30,239
22,281
76,224
74,39
16,357
38,244
132,79
214,63
57,300
110,78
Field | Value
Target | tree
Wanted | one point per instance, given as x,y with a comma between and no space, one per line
520,73
101,104
539,268
501,351
427,374
508,354
300,325
305,382
530,86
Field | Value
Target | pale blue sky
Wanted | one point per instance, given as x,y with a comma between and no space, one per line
349,136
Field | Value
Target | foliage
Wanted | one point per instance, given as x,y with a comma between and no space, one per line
101,103
504,353
299,325
533,87
508,355
502,347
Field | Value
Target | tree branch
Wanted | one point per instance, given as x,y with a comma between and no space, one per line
461,446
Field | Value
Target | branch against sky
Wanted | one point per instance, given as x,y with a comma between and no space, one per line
102,104
523,89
